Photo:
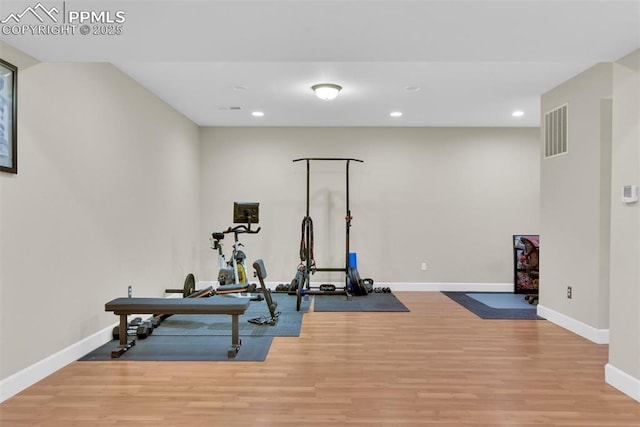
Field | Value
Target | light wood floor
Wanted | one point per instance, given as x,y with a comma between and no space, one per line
437,365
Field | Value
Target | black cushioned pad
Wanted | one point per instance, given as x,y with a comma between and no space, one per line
177,306
234,287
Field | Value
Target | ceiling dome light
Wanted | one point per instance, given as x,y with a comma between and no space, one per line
396,114
326,91
518,113
257,114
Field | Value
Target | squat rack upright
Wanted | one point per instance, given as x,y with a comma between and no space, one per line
306,251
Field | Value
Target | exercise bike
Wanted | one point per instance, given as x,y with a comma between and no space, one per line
232,276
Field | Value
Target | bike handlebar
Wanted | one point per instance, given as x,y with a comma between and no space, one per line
239,229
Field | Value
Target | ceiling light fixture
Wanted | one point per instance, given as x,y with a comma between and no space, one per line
396,114
518,113
326,91
257,114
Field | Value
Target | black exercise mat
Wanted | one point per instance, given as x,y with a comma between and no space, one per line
288,325
370,302
186,348
286,303
486,312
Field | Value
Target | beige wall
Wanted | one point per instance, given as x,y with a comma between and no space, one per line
591,238
575,204
106,196
452,198
624,349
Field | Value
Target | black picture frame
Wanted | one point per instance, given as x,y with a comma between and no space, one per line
8,117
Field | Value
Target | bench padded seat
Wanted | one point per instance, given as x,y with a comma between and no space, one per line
176,306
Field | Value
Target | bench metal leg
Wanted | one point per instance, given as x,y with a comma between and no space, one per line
235,339
124,345
123,329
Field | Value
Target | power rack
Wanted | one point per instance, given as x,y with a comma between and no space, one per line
307,261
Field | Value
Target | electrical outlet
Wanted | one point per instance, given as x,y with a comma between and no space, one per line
130,291
569,292
423,266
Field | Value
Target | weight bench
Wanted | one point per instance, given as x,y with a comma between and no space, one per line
125,306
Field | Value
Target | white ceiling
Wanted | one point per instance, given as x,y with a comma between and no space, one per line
474,61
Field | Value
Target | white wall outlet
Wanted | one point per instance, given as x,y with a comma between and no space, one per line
630,193
423,266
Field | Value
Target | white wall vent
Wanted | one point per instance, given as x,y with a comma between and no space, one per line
555,132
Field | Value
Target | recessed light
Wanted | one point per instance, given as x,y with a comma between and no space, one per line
257,114
396,114
518,113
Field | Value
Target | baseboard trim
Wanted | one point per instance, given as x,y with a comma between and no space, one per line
25,378
411,286
598,336
446,286
622,381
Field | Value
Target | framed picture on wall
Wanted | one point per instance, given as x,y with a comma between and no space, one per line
8,117
526,260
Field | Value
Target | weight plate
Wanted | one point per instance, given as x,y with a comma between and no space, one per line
357,287
189,285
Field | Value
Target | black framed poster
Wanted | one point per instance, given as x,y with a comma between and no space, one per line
8,117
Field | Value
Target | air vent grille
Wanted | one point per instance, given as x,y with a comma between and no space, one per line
555,132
